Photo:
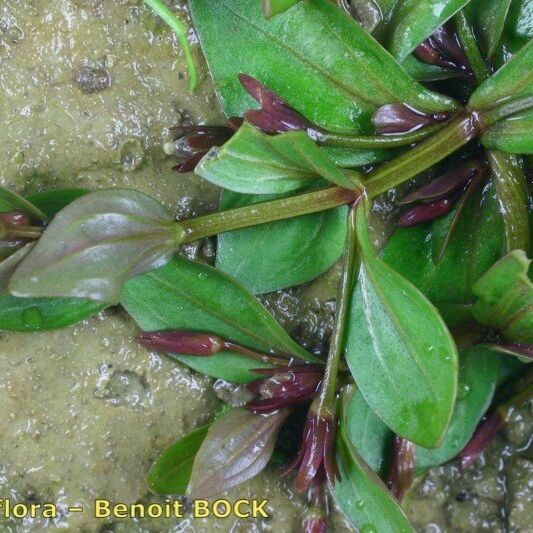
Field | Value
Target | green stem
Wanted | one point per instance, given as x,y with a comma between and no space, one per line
457,133
377,141
180,29
20,232
470,47
252,215
326,406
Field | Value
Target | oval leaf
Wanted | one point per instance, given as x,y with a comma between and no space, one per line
446,273
172,471
253,162
505,295
387,351
478,375
197,297
41,314
362,496
368,433
304,248
94,245
315,57
236,448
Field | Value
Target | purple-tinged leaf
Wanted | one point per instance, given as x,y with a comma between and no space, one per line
11,201
402,472
236,448
516,349
445,184
95,244
399,118
14,218
425,212
315,515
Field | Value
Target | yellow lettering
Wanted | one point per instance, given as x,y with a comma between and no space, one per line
101,509
237,509
49,510
155,510
201,508
258,508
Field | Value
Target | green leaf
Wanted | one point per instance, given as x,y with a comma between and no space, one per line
256,163
280,254
11,201
52,201
387,351
197,297
513,135
94,245
511,188
513,81
367,433
238,445
489,18
171,472
361,495
475,244
478,375
316,57
41,314
505,295
424,71
275,7
413,21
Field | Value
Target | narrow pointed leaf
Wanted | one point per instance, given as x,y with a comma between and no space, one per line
40,314
413,21
447,278
505,298
94,245
362,496
257,163
513,81
314,56
172,471
193,296
238,445
10,264
305,247
489,18
510,183
387,351
478,375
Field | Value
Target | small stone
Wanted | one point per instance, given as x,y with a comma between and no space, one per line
92,80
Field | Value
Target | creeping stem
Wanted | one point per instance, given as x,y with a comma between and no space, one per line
326,406
180,29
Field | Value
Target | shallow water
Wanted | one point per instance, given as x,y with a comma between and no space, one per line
89,89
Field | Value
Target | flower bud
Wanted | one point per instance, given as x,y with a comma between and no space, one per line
182,342
400,118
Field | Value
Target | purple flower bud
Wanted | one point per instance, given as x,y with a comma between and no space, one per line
425,212
446,184
275,115
402,471
285,387
400,118
316,454
182,342
443,49
193,142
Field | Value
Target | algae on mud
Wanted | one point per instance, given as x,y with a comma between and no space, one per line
90,88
